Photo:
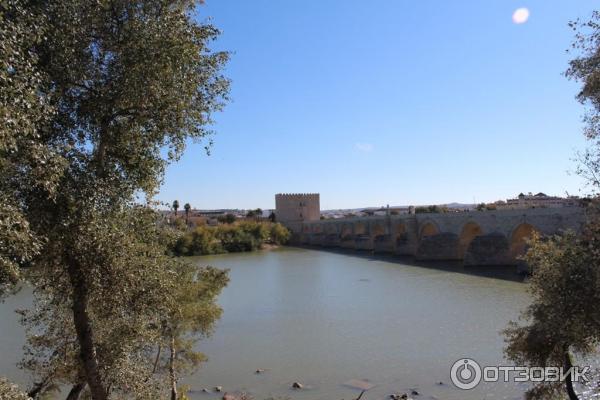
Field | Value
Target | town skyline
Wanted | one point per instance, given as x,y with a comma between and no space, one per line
523,200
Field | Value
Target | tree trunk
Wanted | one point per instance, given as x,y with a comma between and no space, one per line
172,369
154,368
569,379
76,391
84,331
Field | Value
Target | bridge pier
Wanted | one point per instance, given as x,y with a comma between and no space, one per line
439,247
384,244
490,249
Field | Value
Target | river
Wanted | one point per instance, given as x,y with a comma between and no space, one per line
323,318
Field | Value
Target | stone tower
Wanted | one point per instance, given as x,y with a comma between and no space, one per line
294,209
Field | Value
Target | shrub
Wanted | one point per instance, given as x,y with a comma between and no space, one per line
244,236
279,234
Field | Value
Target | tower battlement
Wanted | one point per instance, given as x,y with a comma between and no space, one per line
296,195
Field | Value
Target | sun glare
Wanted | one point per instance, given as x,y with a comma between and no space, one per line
520,16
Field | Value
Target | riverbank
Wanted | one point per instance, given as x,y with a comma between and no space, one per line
237,237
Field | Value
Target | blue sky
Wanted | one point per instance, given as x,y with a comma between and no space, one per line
388,102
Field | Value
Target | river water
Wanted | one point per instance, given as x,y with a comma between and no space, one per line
323,318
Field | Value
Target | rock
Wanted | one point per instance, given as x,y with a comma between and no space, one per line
228,396
396,396
297,385
205,390
440,383
414,392
359,384
259,371
218,388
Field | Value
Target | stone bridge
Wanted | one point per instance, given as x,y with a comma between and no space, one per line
476,237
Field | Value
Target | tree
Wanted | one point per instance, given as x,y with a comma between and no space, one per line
251,214
272,216
187,209
228,218
563,317
191,317
175,206
113,116
280,234
258,213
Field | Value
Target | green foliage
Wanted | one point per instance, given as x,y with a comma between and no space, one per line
191,317
280,234
227,218
10,391
178,224
430,209
563,316
235,239
231,238
201,240
27,161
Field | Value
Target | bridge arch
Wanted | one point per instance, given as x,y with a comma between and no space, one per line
346,231
519,237
330,228
377,229
429,228
360,228
400,234
469,232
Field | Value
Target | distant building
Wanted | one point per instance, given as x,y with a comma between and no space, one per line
540,200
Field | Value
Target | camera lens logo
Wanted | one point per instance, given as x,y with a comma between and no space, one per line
465,373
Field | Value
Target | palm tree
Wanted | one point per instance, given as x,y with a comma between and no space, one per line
176,206
187,209
258,213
